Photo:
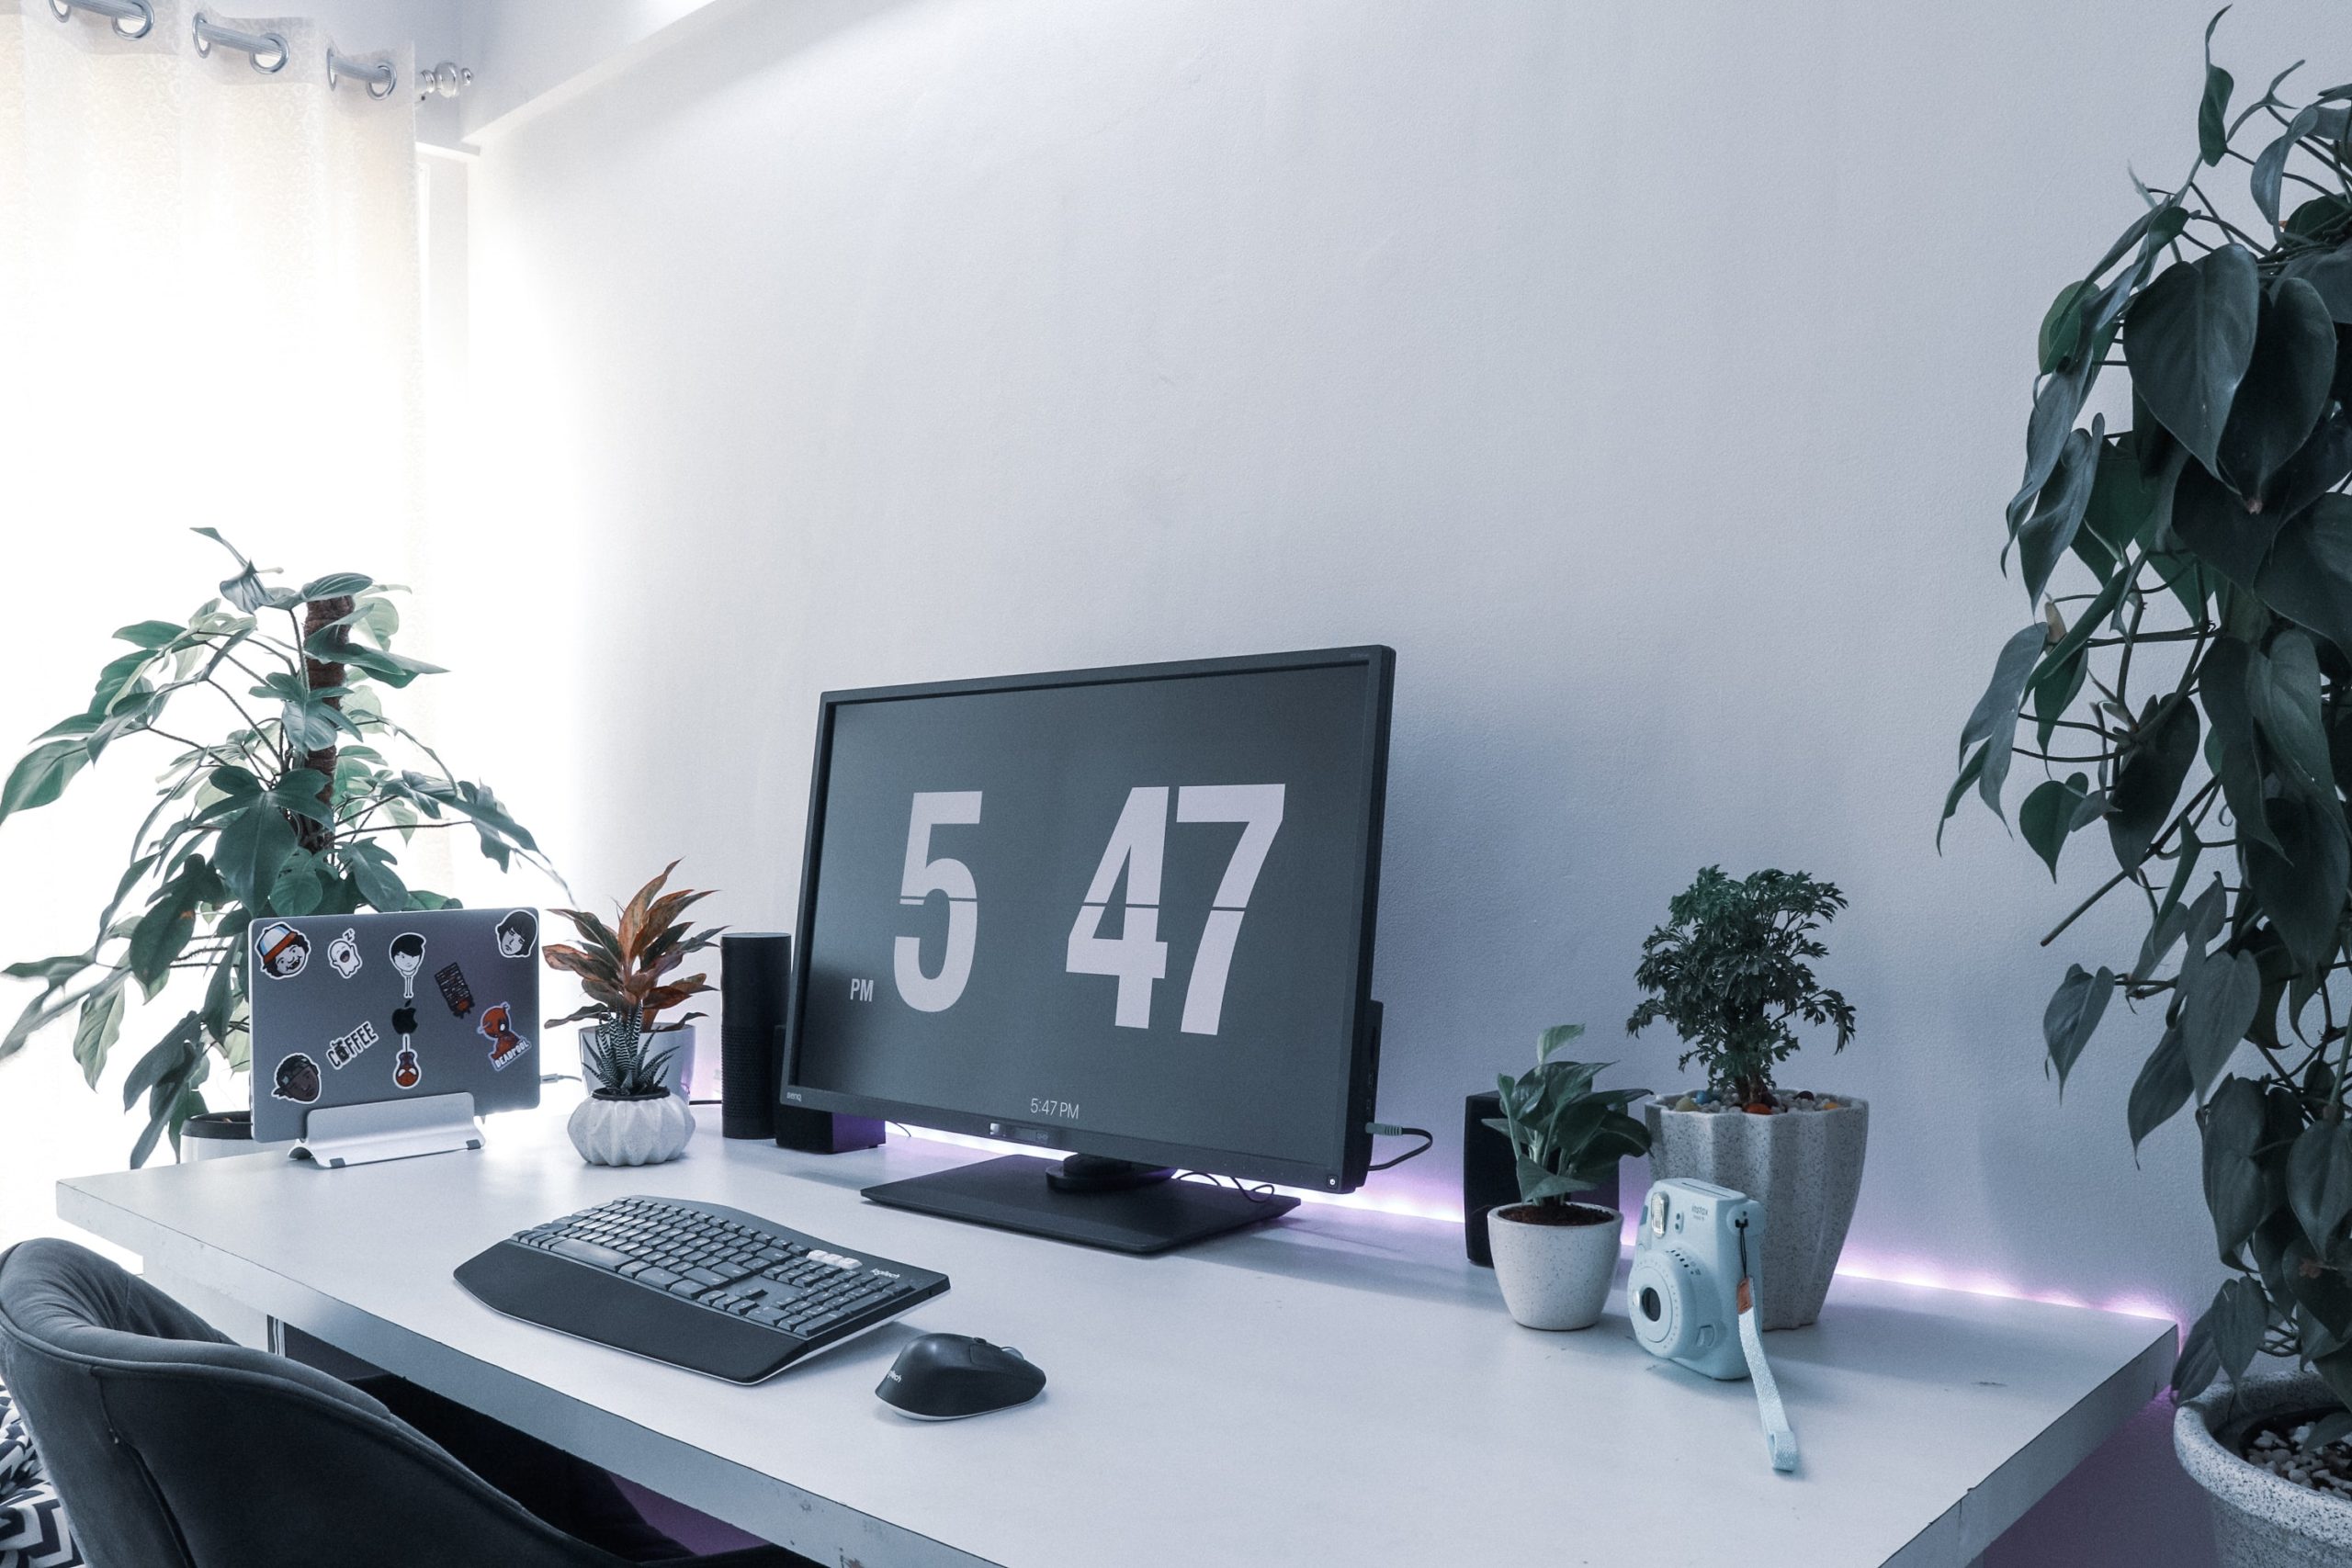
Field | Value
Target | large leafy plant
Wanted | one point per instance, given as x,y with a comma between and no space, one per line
1568,1136
280,794
1728,970
628,970
2185,690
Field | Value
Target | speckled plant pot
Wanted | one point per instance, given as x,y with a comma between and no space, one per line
2260,1520
1554,1276
1806,1168
645,1130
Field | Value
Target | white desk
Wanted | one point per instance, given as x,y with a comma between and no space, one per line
1338,1387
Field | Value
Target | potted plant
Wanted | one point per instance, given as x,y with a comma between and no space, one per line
2184,688
1554,1257
1729,970
630,1116
284,791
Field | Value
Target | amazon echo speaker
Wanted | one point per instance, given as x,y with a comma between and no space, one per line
754,986
1490,1175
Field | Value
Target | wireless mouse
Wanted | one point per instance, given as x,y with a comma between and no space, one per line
943,1377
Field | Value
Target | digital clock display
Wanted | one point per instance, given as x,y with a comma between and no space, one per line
1131,907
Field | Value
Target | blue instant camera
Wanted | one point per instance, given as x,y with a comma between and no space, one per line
1683,1291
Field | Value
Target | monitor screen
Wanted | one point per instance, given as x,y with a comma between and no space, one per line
1126,912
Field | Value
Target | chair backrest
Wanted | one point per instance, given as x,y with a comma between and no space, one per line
172,1448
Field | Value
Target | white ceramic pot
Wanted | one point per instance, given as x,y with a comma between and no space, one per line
2260,1520
1804,1166
1555,1276
678,1073
644,1131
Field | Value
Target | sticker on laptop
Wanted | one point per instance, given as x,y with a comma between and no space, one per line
280,950
518,933
345,1049
408,957
298,1079
453,989
343,952
497,1026
406,1074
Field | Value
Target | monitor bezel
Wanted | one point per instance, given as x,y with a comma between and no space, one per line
1360,1027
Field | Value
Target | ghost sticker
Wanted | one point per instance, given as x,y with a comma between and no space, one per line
280,950
298,1079
406,1074
518,933
497,1027
343,1051
344,953
453,989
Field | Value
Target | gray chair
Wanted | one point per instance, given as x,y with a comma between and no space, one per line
173,1448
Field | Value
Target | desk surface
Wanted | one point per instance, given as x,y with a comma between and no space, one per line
1336,1386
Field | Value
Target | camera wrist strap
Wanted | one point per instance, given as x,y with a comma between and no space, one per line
1780,1438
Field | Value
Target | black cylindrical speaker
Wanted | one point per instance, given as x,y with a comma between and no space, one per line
755,987
1490,1175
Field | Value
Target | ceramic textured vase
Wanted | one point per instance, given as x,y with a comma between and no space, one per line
643,1130
2260,1520
1554,1276
1805,1167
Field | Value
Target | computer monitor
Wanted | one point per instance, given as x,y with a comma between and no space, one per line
1122,915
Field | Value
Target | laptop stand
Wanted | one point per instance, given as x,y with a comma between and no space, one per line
335,1135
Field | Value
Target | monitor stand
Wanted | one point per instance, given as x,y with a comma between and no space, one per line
1095,1202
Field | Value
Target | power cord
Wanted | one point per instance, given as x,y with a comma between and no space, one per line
1387,1130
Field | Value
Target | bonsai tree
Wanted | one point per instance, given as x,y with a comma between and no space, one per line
624,968
1728,970
1569,1137
2184,690
283,788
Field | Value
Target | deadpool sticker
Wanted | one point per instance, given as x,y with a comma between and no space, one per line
497,1026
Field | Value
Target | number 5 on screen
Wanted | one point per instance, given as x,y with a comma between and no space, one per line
924,876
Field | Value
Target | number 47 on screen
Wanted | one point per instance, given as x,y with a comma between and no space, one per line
1137,957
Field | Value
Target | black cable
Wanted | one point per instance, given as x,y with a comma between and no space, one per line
1382,1129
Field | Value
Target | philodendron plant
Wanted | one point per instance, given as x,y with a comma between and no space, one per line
280,794
1568,1136
2185,690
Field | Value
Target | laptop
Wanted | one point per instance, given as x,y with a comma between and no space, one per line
348,1009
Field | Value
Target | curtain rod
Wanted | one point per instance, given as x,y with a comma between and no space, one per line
268,52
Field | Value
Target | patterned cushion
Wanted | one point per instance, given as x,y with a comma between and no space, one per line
33,1532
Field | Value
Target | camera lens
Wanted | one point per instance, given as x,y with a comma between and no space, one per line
1650,1304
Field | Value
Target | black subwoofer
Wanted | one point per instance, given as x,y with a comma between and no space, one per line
1490,1175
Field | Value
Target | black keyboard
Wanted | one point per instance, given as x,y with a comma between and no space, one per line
713,1289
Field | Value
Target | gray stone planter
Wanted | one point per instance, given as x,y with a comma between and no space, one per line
2260,1520
1554,1276
1806,1168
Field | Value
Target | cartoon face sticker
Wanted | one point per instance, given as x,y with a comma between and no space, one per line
518,933
281,951
298,1079
408,957
453,989
497,1027
406,1074
344,953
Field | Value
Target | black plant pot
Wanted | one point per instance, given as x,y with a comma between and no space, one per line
216,1135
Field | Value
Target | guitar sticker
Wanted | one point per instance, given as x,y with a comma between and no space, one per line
344,953
518,933
453,989
406,1074
497,1027
298,1079
280,950
342,1052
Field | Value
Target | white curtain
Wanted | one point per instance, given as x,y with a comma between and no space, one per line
208,315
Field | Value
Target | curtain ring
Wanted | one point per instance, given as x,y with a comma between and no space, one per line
254,45
380,77
138,14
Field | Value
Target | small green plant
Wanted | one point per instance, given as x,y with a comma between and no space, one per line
283,791
1569,1137
624,968
1728,970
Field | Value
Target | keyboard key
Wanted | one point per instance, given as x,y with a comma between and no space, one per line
690,1288
587,1252
661,1277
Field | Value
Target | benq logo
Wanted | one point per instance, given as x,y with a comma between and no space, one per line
1063,1109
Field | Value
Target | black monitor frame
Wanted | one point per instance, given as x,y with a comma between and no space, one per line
1360,1027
